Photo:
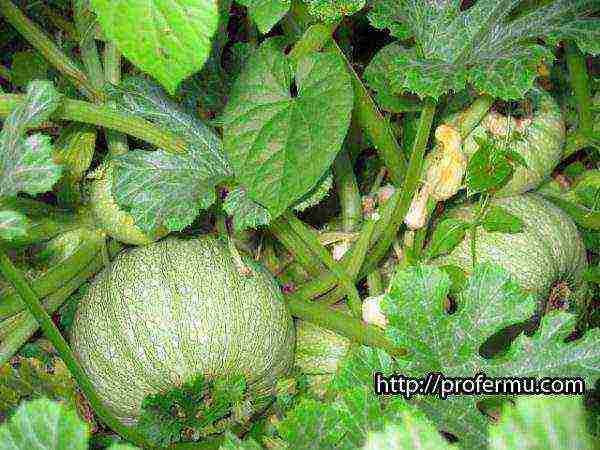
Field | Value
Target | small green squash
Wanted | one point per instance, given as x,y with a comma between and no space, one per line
110,218
318,353
548,251
539,138
162,313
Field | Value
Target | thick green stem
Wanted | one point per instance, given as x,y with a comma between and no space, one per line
352,328
311,241
580,85
471,117
286,235
46,221
117,142
30,298
53,279
375,283
375,126
313,39
103,116
393,213
348,193
85,22
36,37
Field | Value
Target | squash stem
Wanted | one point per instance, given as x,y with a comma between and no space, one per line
117,142
347,190
349,327
30,298
579,80
103,116
55,56
310,240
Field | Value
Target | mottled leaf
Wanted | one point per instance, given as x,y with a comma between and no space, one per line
332,10
12,224
232,442
160,188
536,422
500,220
482,45
446,236
170,39
245,212
487,170
44,423
279,144
26,163
316,194
266,13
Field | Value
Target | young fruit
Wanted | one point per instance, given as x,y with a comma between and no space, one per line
163,313
548,254
539,138
112,220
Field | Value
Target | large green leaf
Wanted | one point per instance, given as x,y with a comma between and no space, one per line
245,212
26,163
333,10
280,145
450,343
482,45
160,188
169,39
537,422
41,424
266,13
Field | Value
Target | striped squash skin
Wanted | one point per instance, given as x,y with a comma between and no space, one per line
318,353
163,313
541,144
548,250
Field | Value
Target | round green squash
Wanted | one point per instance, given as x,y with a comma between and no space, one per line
110,218
162,313
318,353
548,251
538,138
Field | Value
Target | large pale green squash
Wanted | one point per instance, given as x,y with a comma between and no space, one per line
547,252
539,138
160,314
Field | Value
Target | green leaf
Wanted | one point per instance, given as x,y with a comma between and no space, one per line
160,188
482,45
44,423
232,442
333,10
497,219
388,14
317,194
450,344
199,408
446,236
488,170
245,212
585,33
266,13
12,224
536,422
41,375
170,39
414,432
281,145
26,67
26,163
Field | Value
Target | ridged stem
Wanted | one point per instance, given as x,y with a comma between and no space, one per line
117,142
84,22
311,241
102,116
339,322
55,56
579,80
374,125
348,193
